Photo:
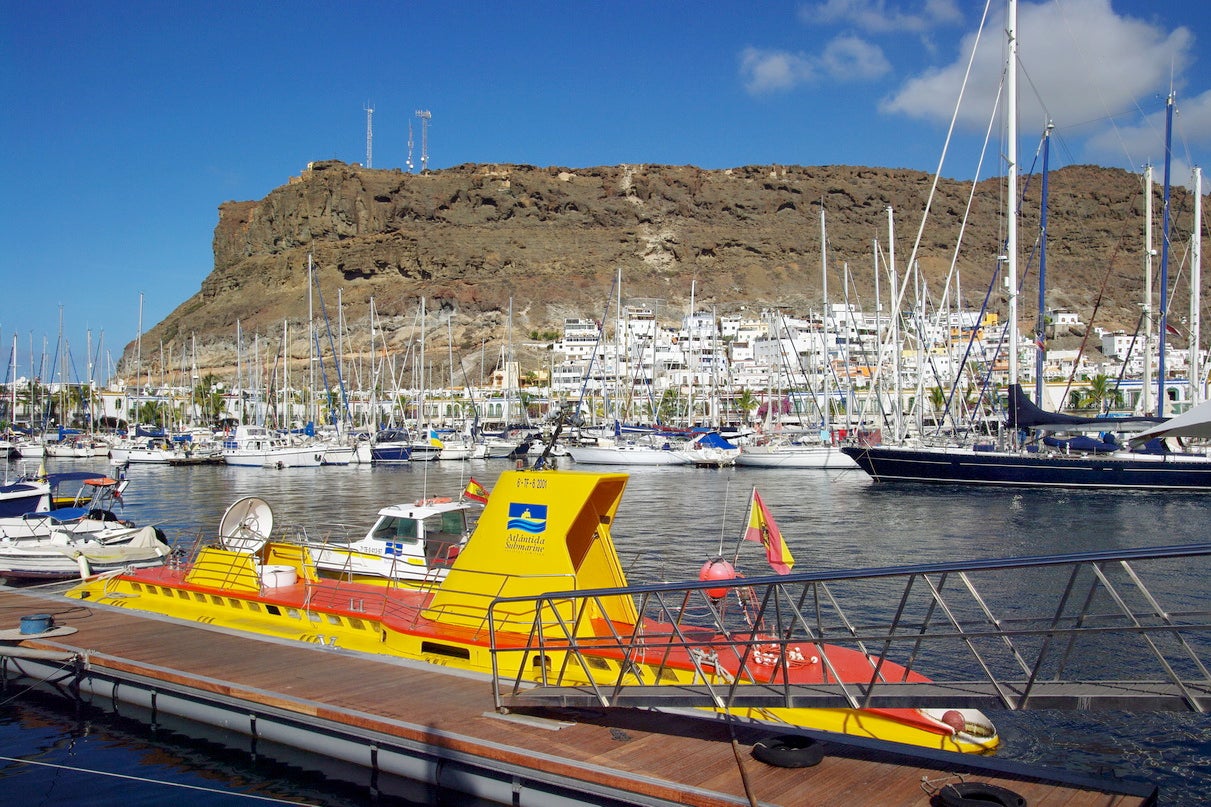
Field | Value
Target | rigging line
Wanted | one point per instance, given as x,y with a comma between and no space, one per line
146,780
1098,69
933,188
1101,293
37,682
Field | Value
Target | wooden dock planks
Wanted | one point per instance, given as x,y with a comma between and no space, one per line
640,752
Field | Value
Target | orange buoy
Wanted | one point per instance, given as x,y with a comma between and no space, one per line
716,569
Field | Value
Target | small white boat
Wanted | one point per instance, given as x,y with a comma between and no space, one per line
91,510
63,554
256,446
795,452
644,451
408,543
710,450
413,542
24,495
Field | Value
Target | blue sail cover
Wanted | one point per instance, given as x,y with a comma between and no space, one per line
1023,414
714,440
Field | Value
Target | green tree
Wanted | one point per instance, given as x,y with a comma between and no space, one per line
746,402
208,398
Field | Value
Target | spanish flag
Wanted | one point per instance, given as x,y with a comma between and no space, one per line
476,492
763,529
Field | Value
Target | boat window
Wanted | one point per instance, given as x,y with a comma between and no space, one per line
391,528
199,596
356,624
216,600
333,619
183,595
453,522
445,650
596,663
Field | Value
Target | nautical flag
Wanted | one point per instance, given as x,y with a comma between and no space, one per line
763,529
476,492
1169,329
1040,342
434,440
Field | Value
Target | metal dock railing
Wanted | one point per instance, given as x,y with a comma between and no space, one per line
1117,629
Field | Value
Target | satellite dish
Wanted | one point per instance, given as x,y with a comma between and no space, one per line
246,525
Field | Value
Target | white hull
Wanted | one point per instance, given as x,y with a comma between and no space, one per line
339,455
291,457
796,456
626,455
254,446
29,450
63,556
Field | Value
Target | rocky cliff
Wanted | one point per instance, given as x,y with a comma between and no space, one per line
549,242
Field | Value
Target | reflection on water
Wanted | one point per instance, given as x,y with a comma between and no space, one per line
673,519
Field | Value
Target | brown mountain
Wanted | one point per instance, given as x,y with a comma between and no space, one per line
474,237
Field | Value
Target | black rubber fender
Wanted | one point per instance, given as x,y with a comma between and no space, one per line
789,751
978,794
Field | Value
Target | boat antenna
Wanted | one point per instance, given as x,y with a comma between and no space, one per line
747,520
723,526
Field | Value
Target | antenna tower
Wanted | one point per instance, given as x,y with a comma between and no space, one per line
369,136
410,145
424,116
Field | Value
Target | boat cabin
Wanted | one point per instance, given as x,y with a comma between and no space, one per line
416,541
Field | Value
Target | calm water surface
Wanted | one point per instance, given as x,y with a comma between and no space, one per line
671,520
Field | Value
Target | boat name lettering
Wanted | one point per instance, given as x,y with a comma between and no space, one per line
523,542
531,482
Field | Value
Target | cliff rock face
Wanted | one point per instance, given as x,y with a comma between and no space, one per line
550,241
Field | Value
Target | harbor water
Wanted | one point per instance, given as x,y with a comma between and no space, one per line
671,520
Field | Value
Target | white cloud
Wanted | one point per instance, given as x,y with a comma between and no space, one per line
846,58
1144,140
875,16
1081,64
767,71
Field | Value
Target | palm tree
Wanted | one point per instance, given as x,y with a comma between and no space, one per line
1102,393
746,402
208,398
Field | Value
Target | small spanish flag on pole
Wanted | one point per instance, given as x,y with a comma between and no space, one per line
476,492
763,529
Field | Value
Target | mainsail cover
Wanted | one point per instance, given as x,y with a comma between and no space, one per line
1194,423
1023,414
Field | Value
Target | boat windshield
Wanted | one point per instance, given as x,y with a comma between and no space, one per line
392,528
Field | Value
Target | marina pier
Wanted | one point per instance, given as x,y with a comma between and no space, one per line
394,717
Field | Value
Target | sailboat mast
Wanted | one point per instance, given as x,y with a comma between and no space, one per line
1149,253
1011,156
1196,280
1040,336
1164,290
825,425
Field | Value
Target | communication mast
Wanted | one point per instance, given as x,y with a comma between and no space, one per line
410,145
369,136
424,116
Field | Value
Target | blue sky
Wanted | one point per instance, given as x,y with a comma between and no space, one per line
126,124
